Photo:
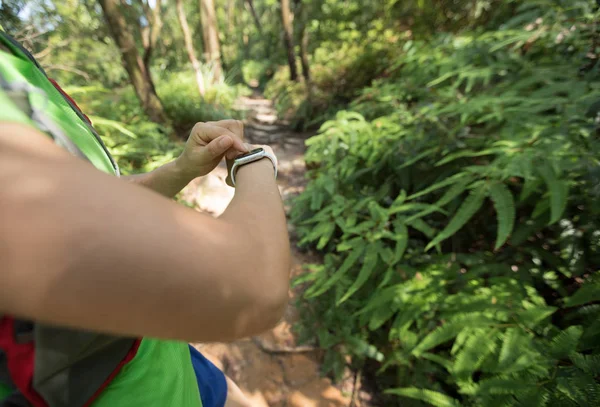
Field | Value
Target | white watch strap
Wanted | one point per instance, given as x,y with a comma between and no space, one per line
265,154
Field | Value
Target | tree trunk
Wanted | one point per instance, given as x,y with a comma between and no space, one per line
286,20
132,62
304,44
210,34
304,55
189,46
230,10
250,4
155,24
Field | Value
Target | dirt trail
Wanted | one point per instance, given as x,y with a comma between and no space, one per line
271,369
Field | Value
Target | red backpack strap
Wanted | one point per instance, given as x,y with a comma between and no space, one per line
20,359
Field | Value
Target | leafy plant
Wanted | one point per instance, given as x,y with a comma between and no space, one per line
456,204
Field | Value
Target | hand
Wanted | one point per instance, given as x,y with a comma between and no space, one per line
250,147
208,143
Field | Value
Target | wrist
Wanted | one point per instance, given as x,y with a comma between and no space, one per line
181,170
260,169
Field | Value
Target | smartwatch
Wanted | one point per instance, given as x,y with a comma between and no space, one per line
250,157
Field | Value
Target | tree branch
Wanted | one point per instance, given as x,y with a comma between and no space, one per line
60,67
250,6
155,25
45,52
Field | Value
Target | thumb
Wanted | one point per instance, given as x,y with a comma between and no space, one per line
218,146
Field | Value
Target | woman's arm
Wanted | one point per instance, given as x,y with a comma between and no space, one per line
84,249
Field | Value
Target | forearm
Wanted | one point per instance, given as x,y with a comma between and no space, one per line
167,180
93,252
257,206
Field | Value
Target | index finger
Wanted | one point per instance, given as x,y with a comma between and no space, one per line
236,127
208,131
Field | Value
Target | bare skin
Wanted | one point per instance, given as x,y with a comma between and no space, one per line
207,145
122,259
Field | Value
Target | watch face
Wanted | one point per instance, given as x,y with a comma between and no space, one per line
250,153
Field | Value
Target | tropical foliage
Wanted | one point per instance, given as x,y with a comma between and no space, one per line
456,202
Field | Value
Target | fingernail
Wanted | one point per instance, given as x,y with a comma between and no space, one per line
224,142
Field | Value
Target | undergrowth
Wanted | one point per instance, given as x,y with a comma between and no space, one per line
456,203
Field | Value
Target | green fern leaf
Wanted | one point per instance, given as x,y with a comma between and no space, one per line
469,207
533,315
422,226
408,207
365,271
354,255
540,397
466,153
450,329
565,342
418,157
477,347
454,191
326,235
514,346
448,181
438,359
529,187
505,208
498,385
590,364
380,299
400,198
401,232
429,396
587,293
558,189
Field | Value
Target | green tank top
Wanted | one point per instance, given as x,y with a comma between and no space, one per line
161,373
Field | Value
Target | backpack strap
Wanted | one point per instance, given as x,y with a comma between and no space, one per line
54,112
42,365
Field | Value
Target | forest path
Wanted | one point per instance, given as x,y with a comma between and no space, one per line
271,368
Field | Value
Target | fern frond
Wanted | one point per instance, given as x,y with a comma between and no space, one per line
422,226
438,185
438,359
317,289
590,364
558,190
565,342
464,154
476,349
499,385
536,398
418,157
401,237
505,209
429,396
587,293
454,191
469,207
364,273
450,329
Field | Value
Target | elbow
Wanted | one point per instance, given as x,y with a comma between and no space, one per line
272,294
276,306
273,302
